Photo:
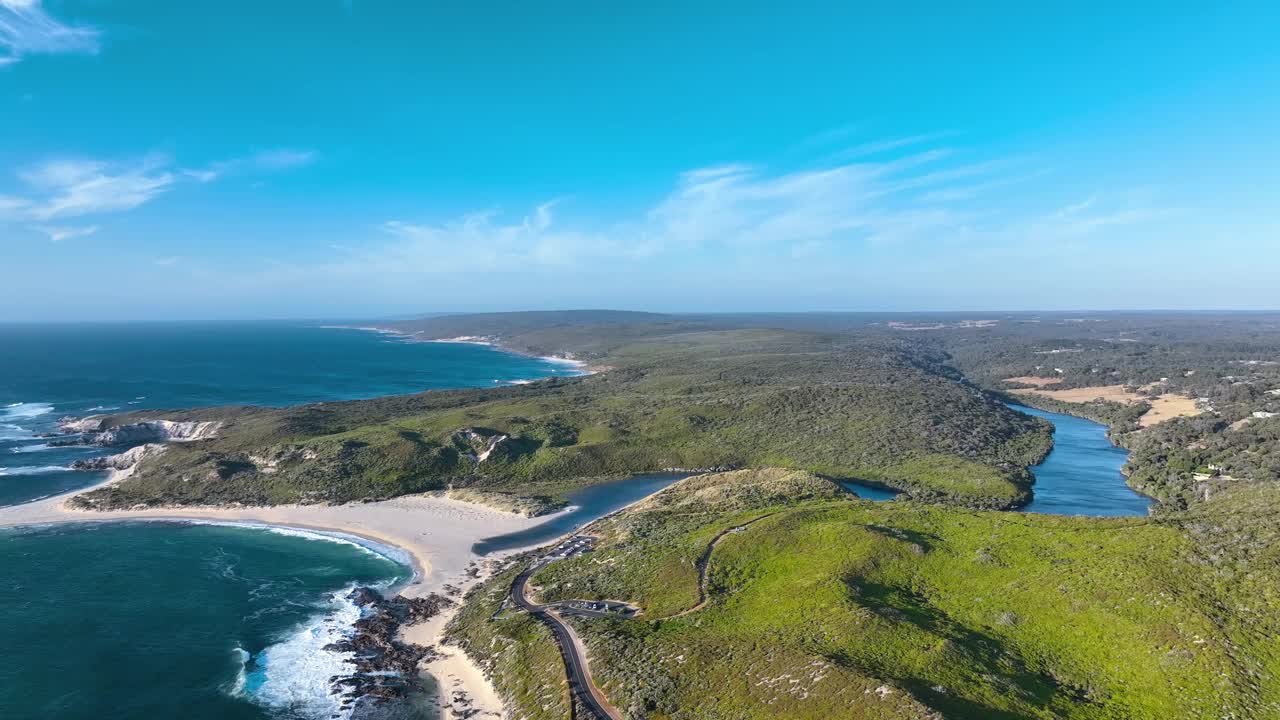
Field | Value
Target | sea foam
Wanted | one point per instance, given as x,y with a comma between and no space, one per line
32,470
294,674
386,552
23,410
9,431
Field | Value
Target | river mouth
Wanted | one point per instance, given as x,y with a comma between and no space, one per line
1081,475
586,505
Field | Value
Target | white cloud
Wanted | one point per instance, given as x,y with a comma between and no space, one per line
60,233
202,176
282,159
879,147
26,29
166,261
273,160
744,213
74,188
70,188
12,206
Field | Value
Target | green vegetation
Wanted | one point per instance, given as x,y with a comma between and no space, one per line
824,606
684,399
770,593
1230,363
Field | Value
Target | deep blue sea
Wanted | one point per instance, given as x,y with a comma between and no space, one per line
138,621
53,371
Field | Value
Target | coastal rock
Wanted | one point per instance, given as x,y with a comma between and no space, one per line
386,667
120,461
91,424
478,443
269,462
98,431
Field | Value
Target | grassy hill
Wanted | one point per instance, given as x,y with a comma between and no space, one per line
675,397
824,606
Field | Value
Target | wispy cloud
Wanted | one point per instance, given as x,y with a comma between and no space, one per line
74,188
282,159
879,147
65,232
734,212
12,206
26,29
271,160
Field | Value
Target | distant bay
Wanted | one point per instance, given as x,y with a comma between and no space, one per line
52,371
136,620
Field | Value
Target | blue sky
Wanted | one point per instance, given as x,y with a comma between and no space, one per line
164,160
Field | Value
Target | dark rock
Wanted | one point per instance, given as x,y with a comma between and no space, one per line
386,667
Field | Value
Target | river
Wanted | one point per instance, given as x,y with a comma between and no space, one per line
1081,476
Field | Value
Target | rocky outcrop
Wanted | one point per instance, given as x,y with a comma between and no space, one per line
91,424
100,431
479,443
270,461
121,461
386,667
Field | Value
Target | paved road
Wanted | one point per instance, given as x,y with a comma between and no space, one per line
575,662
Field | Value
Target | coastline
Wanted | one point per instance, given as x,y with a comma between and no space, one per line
581,365
435,534
431,534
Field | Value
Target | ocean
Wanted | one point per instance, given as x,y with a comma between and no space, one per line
52,371
159,620
150,620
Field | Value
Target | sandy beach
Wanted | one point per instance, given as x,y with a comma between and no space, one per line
436,532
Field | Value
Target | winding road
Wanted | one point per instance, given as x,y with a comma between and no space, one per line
571,649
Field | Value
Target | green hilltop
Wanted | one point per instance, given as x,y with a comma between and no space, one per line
674,396
818,605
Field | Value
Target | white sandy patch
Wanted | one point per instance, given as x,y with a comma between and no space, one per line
1163,407
466,340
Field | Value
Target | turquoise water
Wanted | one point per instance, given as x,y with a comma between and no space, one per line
149,620
51,371
1081,476
139,621
869,492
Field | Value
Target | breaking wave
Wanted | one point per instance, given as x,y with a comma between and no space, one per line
295,674
32,470
22,410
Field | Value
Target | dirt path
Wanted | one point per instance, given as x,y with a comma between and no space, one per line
705,561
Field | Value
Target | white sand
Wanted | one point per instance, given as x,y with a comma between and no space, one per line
437,532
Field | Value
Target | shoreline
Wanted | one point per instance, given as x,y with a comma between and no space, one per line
582,366
435,535
430,534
